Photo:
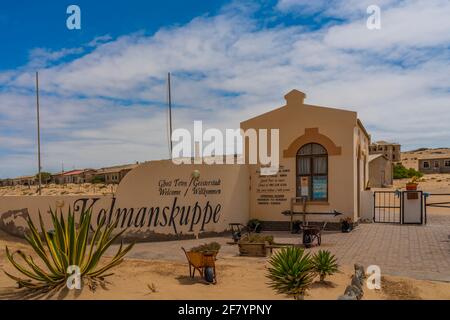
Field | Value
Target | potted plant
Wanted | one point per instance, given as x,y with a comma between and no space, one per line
212,247
291,272
296,226
412,186
254,225
346,224
255,245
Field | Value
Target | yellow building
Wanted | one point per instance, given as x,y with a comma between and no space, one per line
323,157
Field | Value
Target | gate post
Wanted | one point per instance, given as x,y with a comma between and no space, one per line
374,205
412,208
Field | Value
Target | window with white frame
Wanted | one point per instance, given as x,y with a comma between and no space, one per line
426,165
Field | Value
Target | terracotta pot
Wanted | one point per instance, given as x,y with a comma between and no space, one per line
412,187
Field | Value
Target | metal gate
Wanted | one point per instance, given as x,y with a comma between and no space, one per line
404,207
387,206
443,202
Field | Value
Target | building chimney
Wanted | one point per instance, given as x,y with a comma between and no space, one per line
294,98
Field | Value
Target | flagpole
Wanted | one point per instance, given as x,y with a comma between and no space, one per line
170,114
38,133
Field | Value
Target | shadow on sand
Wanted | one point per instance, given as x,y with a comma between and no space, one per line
60,292
187,280
323,284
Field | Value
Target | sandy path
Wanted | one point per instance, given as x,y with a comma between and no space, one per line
238,278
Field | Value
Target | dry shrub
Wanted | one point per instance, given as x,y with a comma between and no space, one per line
399,289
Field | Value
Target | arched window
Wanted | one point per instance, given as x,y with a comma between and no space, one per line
312,172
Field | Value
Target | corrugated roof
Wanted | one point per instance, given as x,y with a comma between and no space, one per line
73,172
117,168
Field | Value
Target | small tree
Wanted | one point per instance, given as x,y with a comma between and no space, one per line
400,172
46,177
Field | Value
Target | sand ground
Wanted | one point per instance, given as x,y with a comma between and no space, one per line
238,278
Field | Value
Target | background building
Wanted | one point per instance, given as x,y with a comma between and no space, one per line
74,176
24,181
6,183
381,171
436,164
114,174
392,151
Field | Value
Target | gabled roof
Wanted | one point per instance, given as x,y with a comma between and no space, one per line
376,156
73,172
117,168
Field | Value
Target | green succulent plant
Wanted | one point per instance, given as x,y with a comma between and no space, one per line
325,264
291,272
68,244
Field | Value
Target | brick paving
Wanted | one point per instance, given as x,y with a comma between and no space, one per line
421,252
417,251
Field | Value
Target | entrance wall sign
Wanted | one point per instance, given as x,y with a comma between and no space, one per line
157,200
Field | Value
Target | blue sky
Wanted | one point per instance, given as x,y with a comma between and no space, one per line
103,87
27,24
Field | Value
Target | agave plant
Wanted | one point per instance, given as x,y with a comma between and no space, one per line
68,244
291,272
325,264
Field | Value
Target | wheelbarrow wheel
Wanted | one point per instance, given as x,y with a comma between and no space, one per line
209,274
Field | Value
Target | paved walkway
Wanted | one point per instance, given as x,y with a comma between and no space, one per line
421,252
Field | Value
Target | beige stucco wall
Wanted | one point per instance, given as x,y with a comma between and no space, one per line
381,173
15,210
207,205
293,120
361,143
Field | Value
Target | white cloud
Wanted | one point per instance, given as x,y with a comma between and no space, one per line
106,106
42,57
